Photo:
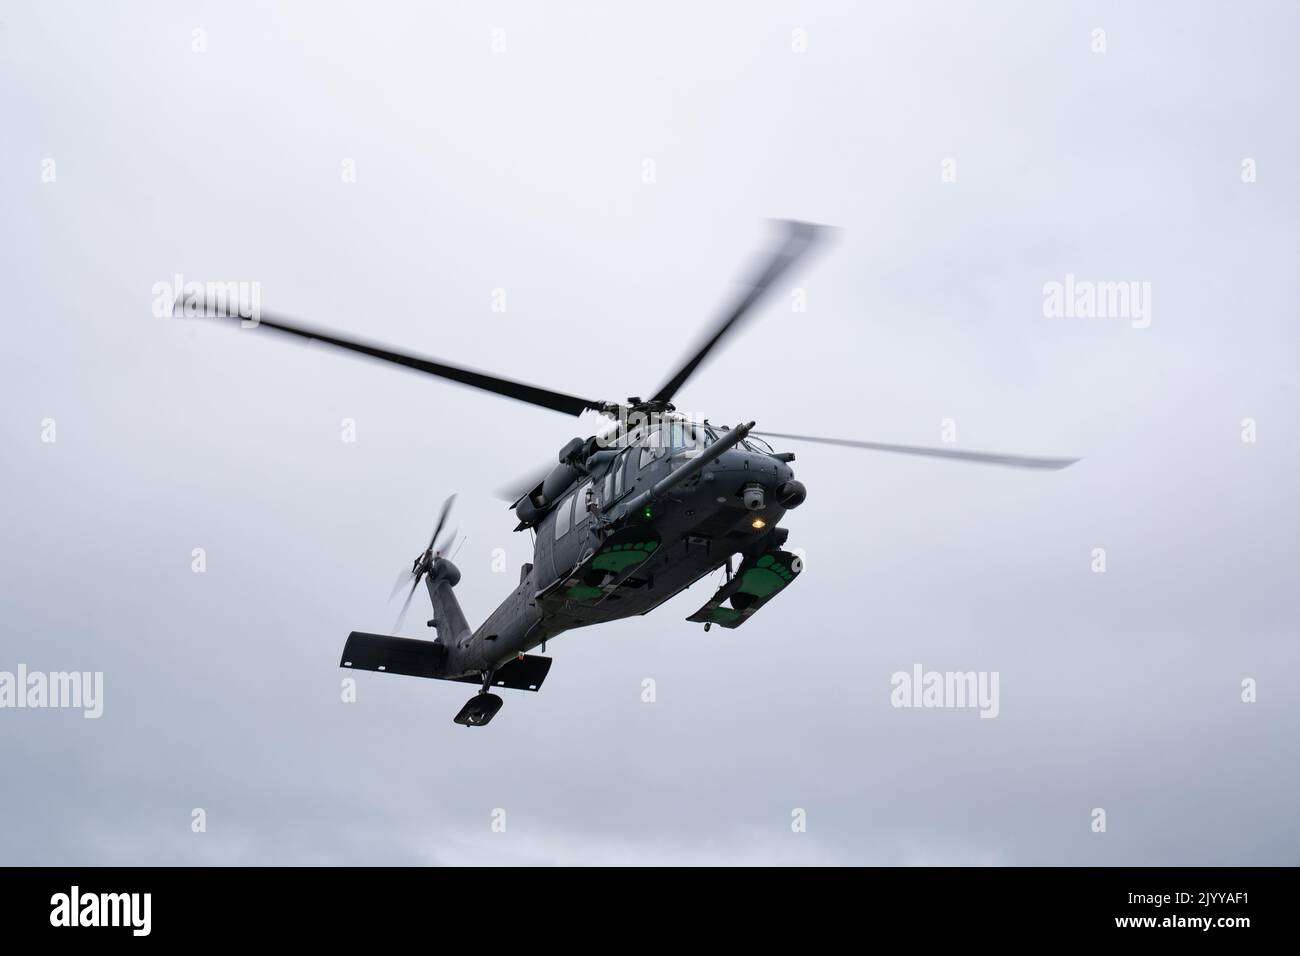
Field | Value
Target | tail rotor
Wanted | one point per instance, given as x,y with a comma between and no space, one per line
423,562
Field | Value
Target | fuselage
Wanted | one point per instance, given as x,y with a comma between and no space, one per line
700,524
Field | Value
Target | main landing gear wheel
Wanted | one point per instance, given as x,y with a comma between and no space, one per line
482,707
479,710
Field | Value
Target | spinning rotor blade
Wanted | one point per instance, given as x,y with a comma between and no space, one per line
402,579
443,547
401,615
520,485
442,520
422,563
520,391
799,238
982,457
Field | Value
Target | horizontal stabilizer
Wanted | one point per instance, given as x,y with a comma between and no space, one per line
526,674
404,655
394,655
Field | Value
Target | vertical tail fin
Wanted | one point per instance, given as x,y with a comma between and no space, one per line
448,619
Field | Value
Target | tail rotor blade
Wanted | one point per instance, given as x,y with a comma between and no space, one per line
445,543
400,583
442,520
401,615
422,562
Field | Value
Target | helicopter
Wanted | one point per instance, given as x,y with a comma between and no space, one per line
622,520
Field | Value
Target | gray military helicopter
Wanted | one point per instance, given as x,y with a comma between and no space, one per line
623,520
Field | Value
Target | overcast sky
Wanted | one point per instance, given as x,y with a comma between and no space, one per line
970,154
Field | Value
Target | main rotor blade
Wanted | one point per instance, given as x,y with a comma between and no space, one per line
799,238
520,391
982,457
520,485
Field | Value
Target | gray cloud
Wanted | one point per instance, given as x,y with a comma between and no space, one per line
523,171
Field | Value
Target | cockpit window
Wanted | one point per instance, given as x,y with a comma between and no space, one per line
653,445
685,435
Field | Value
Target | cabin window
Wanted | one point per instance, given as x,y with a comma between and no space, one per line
620,465
609,483
563,515
580,504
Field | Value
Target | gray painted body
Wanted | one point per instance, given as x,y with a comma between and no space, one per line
701,523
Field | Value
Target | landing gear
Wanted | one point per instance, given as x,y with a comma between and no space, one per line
482,707
479,710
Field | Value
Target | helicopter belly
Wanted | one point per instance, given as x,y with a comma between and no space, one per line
631,574
606,584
